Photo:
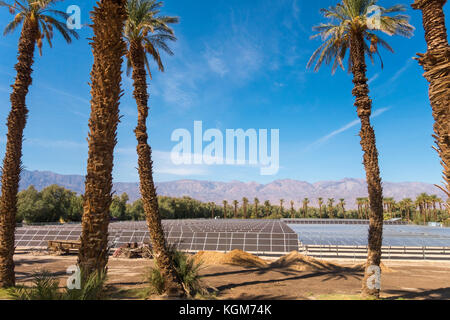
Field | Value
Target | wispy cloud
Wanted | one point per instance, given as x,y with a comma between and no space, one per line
374,77
401,71
55,144
344,128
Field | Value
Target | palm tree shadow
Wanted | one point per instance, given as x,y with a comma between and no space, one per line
434,294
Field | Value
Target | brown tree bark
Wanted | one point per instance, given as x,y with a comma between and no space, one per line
13,158
368,143
173,284
108,49
436,63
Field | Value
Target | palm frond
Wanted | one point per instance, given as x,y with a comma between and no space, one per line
350,16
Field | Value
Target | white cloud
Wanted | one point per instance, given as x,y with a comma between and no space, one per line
401,71
374,77
55,144
344,128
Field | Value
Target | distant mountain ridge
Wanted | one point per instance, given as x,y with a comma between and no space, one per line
207,191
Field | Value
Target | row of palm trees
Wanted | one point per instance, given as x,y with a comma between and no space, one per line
427,206
134,29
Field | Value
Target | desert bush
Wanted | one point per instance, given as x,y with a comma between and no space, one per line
187,270
46,287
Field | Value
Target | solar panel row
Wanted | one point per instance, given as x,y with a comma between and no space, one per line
338,221
263,236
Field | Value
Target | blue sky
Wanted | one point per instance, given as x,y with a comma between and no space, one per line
237,64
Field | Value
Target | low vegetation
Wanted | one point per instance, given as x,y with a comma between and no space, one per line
187,270
57,204
46,287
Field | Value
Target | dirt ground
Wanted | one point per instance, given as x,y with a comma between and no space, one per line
406,279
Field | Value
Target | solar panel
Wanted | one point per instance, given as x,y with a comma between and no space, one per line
256,236
393,235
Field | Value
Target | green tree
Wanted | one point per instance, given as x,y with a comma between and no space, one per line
352,28
119,206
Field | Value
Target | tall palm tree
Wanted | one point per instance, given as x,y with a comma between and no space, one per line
330,207
281,208
292,209
146,32
38,21
244,207
108,48
225,205
320,201
213,208
342,204
349,28
267,207
256,202
305,207
235,205
359,203
437,72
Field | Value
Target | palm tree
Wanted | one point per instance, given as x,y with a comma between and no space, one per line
421,202
292,209
320,200
281,208
366,203
146,32
38,22
437,72
244,207
342,204
256,202
349,29
225,205
330,207
406,205
108,48
235,204
267,207
359,203
305,207
213,208
434,200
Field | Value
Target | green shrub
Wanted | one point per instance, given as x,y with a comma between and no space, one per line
187,270
46,287
93,288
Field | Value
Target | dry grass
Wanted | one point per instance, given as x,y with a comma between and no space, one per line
235,257
299,262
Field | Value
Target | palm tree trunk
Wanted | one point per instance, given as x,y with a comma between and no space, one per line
436,63
173,285
12,162
108,49
370,286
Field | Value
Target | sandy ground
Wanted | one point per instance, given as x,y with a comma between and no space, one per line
408,279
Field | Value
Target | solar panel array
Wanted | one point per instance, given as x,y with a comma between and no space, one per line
356,235
338,221
258,236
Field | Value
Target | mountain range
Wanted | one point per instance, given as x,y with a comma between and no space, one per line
207,191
